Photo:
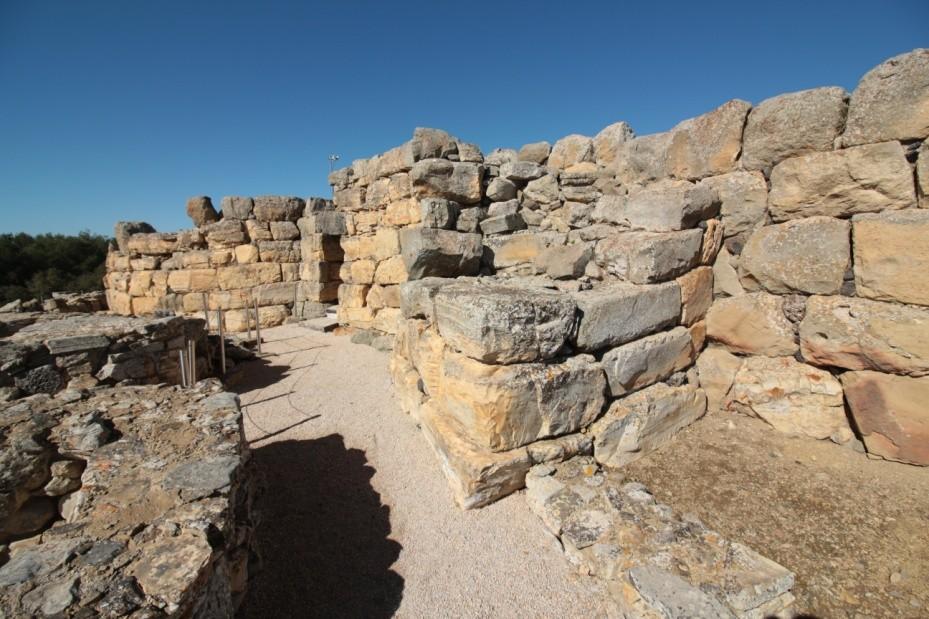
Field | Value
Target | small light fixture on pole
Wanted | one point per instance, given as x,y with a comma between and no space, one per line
332,160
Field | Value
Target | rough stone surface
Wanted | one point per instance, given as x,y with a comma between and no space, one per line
500,323
237,207
619,313
753,324
696,294
890,412
891,256
805,255
650,257
570,150
200,210
458,182
648,360
537,152
793,397
660,207
858,334
793,124
428,252
863,179
891,101
709,144
717,368
122,230
278,208
743,198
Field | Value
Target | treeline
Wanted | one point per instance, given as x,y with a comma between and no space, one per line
37,266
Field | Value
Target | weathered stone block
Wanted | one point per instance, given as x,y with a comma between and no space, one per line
322,247
279,251
805,255
619,313
793,124
648,360
858,334
258,230
537,152
890,412
441,253
237,207
610,142
152,243
247,275
521,171
353,295
440,178
709,144
500,323
696,294
331,223
661,207
569,150
863,179
503,407
565,261
640,423
225,233
281,293
649,257
362,271
200,210
891,101
716,368
507,251
416,297
891,256
122,230
793,397
753,324
192,280
502,224
402,213
246,254
743,200
438,213
278,208
391,271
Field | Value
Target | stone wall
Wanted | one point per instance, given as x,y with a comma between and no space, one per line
281,252
586,272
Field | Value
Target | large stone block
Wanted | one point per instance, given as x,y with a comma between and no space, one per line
152,243
565,261
391,271
648,360
608,144
417,297
640,423
891,256
323,222
502,407
500,323
192,280
237,207
278,208
716,368
891,101
515,249
281,293
793,397
696,294
890,412
753,323
122,230
805,255
536,152
793,124
858,334
863,179
226,233
649,257
743,200
248,275
709,144
439,178
440,253
258,230
922,174
279,251
200,210
660,207
477,476
569,150
618,313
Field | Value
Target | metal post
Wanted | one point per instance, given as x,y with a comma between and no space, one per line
193,362
180,356
257,328
222,341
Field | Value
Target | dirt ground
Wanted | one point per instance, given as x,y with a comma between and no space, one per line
854,530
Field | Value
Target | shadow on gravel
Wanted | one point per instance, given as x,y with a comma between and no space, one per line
322,535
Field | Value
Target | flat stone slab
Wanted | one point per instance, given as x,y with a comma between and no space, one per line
323,323
657,563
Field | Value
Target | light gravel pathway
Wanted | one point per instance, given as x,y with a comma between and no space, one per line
357,519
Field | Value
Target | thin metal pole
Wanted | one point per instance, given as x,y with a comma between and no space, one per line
257,327
222,341
180,356
193,362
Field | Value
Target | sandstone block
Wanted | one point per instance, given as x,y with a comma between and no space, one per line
438,213
516,249
858,334
725,277
646,361
543,190
640,423
891,101
225,233
793,397
119,302
459,182
192,280
384,296
430,143
317,292
805,255
246,254
363,271
279,251
793,124
521,171
122,230
402,213
537,152
248,275
570,150
222,257
643,158
258,230
386,243
709,144
152,243
278,208
508,406
349,199
331,223
500,323
661,207
281,293
387,320
753,324
391,271
619,313
353,295
440,253
200,210
696,294
502,224
743,198
891,256
399,187
610,142
863,179
322,247
268,316
237,207
565,261
716,368
649,257
500,190
890,412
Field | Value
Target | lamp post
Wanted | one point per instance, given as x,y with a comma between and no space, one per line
332,160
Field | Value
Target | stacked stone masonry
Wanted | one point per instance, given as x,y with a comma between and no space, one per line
280,252
596,295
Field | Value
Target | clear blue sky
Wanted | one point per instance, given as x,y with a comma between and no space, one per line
121,110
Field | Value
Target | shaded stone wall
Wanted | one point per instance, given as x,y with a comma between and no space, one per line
280,251
591,266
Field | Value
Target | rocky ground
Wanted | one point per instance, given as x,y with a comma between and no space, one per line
853,530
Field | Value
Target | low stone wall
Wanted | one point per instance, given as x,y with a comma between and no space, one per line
281,252
129,501
606,254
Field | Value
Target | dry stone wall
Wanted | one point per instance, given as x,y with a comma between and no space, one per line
281,252
552,300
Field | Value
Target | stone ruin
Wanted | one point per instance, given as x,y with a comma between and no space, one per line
554,313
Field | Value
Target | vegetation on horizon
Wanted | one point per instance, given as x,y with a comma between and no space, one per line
37,266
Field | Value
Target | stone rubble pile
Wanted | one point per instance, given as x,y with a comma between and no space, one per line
124,501
280,252
656,563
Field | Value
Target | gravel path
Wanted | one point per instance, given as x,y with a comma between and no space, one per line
357,519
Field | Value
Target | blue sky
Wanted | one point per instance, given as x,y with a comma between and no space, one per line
121,110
